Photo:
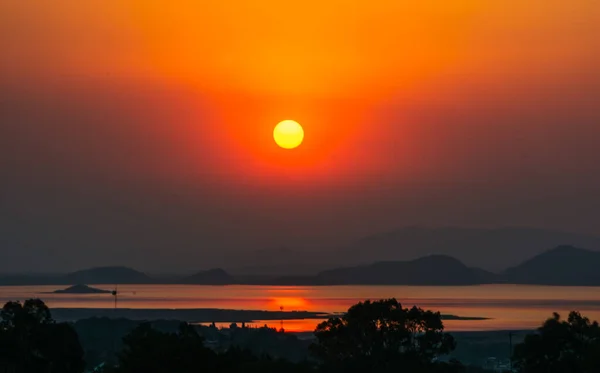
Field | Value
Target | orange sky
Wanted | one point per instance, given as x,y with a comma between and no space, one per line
330,65
304,48
183,95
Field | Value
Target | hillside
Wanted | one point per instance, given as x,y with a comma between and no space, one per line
108,275
491,249
216,276
494,249
430,270
563,265
81,289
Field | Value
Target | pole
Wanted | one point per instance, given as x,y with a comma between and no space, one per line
115,294
510,335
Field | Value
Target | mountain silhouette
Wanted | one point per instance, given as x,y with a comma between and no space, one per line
430,270
215,276
108,275
494,249
491,249
82,289
563,265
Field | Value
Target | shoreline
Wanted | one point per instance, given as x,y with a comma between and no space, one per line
17,281
202,315
191,315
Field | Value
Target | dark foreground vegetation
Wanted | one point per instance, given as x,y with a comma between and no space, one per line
379,336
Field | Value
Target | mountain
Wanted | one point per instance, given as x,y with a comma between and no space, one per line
108,275
494,249
81,289
563,265
294,268
430,270
216,276
491,249
276,261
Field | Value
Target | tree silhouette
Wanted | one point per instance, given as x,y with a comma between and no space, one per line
151,351
379,336
32,313
32,342
148,350
561,346
382,336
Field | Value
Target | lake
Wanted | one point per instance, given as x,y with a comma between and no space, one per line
506,306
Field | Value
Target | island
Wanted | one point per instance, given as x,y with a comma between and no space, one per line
203,315
81,289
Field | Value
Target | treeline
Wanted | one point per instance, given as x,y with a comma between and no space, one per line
379,336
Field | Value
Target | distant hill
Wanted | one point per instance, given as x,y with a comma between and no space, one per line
494,249
295,267
81,289
491,249
563,265
108,275
216,276
430,270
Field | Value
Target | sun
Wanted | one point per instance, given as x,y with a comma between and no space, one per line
288,134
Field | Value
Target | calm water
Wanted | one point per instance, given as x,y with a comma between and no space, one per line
507,306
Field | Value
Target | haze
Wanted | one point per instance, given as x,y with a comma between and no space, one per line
141,134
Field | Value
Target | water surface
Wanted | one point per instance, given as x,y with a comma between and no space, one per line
507,306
